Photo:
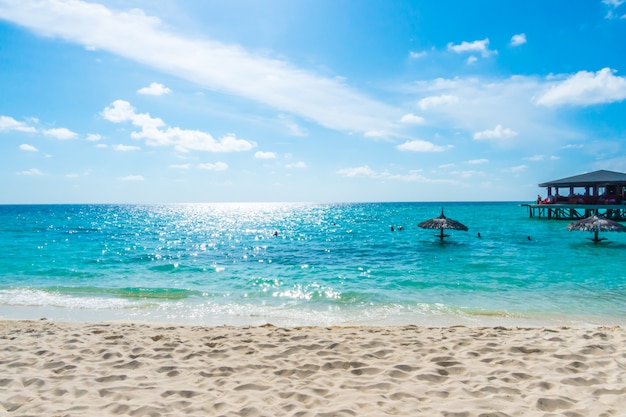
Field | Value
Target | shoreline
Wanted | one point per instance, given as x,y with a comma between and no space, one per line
151,317
139,368
311,318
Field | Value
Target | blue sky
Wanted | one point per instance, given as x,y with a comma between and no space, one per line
136,101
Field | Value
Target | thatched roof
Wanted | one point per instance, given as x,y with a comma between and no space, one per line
595,223
442,222
590,179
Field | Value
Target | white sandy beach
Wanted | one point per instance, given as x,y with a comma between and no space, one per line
97,369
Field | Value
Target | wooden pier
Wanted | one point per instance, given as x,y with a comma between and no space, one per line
576,211
602,193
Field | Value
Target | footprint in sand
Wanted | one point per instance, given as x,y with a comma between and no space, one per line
554,404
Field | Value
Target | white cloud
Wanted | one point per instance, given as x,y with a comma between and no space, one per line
293,128
213,65
438,84
377,134
61,133
516,169
265,155
586,88
132,178
481,47
464,106
410,118
436,101
78,174
218,166
421,146
540,158
613,4
32,171
296,165
497,133
519,39
417,55
573,146
471,60
367,172
155,89
364,171
93,137
28,148
412,176
125,148
10,124
180,166
477,161
119,111
155,133
467,174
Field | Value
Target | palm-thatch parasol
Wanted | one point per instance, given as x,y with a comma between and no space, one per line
596,224
442,222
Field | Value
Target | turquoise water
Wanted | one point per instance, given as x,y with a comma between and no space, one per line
329,264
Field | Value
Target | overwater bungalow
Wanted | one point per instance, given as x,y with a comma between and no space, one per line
599,192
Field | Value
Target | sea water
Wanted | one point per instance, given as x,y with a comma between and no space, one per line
306,264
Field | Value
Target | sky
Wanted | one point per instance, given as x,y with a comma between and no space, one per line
182,101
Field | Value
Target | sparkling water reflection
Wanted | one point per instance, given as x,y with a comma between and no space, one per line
305,264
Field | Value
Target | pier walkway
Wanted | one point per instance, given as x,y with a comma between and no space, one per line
576,211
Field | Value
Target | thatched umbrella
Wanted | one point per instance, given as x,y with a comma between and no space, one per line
442,222
596,224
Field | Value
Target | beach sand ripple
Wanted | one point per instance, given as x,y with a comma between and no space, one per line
135,369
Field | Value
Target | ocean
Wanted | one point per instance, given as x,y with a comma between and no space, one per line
306,264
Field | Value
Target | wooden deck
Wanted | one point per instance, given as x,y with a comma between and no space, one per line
576,211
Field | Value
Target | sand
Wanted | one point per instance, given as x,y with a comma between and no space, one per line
136,369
